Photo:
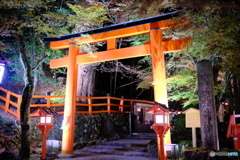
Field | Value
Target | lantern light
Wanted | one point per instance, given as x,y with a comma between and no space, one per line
2,68
161,118
46,119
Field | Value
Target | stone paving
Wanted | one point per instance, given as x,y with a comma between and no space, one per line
123,149
107,157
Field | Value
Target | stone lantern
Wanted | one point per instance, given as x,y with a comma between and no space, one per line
160,126
45,125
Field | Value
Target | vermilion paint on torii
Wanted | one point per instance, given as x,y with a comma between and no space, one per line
156,48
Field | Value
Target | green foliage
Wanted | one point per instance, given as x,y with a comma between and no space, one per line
178,123
183,86
183,144
87,14
214,28
58,100
22,3
139,39
35,19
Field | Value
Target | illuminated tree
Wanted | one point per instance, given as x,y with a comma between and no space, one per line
26,22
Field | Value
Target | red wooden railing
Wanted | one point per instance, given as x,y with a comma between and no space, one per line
10,103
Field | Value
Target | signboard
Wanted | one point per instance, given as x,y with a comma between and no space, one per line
193,121
192,118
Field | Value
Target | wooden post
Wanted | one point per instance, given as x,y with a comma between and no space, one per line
70,103
44,145
159,71
121,104
160,131
111,44
130,123
161,152
7,102
48,101
45,128
131,107
90,105
194,137
108,104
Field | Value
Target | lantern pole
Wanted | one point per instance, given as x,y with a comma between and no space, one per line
44,127
160,131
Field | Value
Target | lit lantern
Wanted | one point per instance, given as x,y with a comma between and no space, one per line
46,119
161,114
45,125
226,105
161,117
160,126
2,68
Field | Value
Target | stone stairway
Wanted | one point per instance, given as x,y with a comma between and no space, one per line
131,147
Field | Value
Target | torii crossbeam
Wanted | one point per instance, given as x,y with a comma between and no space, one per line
156,48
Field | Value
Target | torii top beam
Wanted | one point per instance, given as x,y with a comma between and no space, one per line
122,30
110,34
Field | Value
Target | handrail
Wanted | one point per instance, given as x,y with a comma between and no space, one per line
10,103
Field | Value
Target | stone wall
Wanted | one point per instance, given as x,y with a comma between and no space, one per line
93,129
88,130
9,138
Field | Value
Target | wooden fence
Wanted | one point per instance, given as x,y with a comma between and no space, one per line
10,103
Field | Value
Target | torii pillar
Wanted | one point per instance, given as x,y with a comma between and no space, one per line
159,71
70,102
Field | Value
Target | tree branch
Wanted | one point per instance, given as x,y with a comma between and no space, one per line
139,80
33,69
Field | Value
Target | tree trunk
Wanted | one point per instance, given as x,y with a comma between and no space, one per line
230,93
24,153
236,95
209,134
86,81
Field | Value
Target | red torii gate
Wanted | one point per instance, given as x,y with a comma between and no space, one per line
156,48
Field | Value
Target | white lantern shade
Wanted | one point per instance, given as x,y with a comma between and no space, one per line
161,119
46,119
166,119
2,68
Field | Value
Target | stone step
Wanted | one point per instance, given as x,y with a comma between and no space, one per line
141,138
104,147
135,147
119,148
124,145
113,152
127,143
150,136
